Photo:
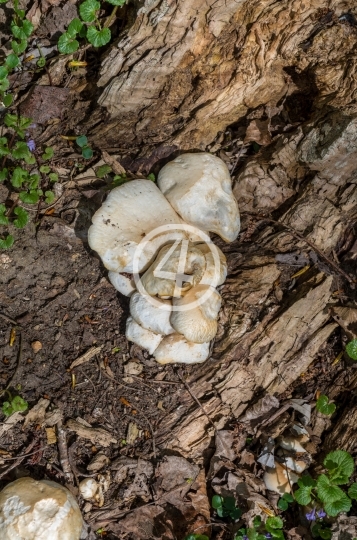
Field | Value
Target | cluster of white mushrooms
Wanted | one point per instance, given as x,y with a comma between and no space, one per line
160,234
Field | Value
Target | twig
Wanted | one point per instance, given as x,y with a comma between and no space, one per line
25,455
86,356
19,459
9,319
179,373
309,243
63,453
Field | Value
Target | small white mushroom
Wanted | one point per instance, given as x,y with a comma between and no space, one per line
38,510
214,275
151,316
155,282
176,349
130,212
290,443
121,283
88,489
198,323
142,337
296,465
279,479
199,188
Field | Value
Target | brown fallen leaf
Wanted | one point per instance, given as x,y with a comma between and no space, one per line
98,462
133,433
51,435
258,131
113,163
37,414
36,346
96,435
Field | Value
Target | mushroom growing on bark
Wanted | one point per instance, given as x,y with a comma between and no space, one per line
150,316
176,349
279,479
199,188
124,284
130,212
141,336
38,510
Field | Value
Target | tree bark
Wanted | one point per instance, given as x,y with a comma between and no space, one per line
183,73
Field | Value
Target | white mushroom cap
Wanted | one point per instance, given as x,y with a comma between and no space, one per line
151,316
290,443
130,212
176,349
88,489
210,277
199,188
142,337
199,323
32,510
121,283
168,260
278,479
296,465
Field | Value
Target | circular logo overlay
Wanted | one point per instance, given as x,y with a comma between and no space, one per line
177,239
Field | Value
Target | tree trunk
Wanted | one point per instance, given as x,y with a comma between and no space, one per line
183,73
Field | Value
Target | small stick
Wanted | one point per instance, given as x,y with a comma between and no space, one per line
19,459
63,453
9,319
195,398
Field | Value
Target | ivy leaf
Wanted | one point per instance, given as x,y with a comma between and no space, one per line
102,171
327,491
87,152
340,465
7,243
66,44
50,197
29,197
12,61
74,28
98,38
323,405
3,72
53,177
7,100
45,169
19,47
19,176
88,10
22,217
20,150
48,153
351,349
336,507
3,174
81,140
352,491
3,219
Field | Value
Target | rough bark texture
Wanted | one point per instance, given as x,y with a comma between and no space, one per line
184,72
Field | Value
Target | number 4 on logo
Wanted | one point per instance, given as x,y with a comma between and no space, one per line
180,277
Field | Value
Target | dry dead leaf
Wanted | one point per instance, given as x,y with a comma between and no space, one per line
132,433
258,131
37,414
96,435
10,422
98,462
133,368
113,163
264,406
51,435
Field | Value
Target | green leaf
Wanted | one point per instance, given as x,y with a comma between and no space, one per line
273,523
19,47
3,219
336,507
10,120
29,197
50,197
48,153
340,465
12,61
22,217
33,181
288,497
19,404
4,85
6,406
351,349
151,177
74,27
67,45
283,504
87,152
326,491
102,171
307,481
98,38
30,159
53,177
326,534
257,520
217,501
235,514
323,405
88,10
7,100
3,174
45,169
27,27
7,243
20,150
24,122
229,503
352,491
3,72
117,2
41,62
303,495
19,176
4,149
221,512
81,140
